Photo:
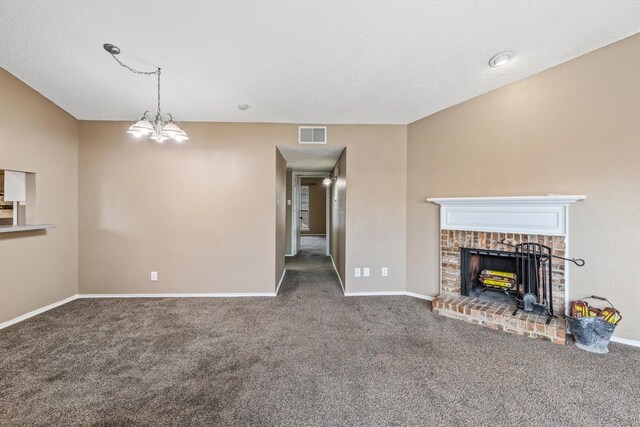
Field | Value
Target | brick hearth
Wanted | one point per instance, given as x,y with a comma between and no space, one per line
499,316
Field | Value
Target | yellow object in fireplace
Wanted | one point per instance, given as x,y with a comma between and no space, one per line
504,274
499,279
498,283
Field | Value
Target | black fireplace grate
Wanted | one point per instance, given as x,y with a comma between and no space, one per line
533,262
532,265
535,273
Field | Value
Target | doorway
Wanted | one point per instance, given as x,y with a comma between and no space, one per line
311,204
312,183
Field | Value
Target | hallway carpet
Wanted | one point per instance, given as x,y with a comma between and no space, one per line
308,357
313,245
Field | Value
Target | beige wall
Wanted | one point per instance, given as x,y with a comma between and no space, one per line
573,129
281,215
376,204
338,216
39,268
203,214
317,206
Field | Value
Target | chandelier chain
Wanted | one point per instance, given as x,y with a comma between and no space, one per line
133,70
144,73
158,90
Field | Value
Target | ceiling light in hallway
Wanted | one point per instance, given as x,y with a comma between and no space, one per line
329,180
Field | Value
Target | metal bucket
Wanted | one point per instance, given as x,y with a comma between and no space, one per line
591,333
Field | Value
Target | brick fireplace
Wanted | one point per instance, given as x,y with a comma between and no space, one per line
477,233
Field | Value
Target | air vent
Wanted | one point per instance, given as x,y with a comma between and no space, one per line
312,134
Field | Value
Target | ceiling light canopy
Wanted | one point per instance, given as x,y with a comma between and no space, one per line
159,128
501,59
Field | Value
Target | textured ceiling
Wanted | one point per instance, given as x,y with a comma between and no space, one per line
311,158
294,61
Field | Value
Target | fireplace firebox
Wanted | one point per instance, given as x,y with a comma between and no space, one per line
474,261
529,273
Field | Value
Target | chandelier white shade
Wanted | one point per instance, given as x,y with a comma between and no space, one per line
160,128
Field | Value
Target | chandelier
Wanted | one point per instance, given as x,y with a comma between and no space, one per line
159,128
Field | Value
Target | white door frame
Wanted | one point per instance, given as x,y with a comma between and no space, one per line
296,177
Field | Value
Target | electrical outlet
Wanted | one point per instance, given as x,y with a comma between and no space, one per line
365,272
385,271
154,276
357,272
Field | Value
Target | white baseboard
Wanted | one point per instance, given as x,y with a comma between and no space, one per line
280,282
634,343
375,294
388,293
337,274
419,296
191,295
36,312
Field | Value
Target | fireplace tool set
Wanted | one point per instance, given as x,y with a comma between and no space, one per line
531,284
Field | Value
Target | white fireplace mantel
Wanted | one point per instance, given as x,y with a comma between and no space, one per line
547,215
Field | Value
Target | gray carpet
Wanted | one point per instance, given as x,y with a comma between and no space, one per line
313,245
308,357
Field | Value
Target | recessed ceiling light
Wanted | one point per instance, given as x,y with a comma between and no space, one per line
243,107
501,59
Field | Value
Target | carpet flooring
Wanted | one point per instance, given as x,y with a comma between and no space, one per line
313,245
307,357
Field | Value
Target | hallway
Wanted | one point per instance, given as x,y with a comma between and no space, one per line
310,273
